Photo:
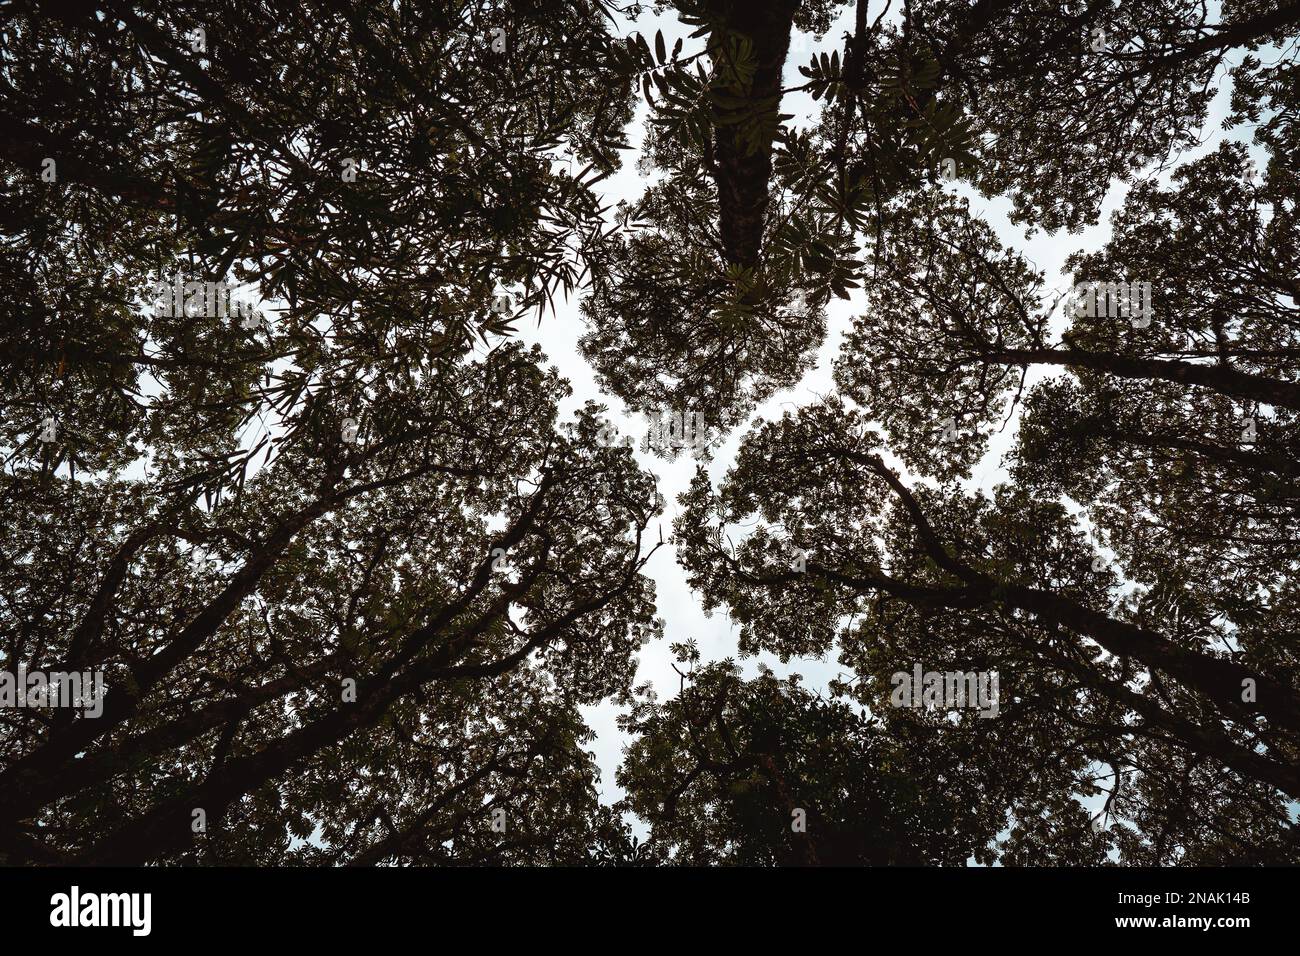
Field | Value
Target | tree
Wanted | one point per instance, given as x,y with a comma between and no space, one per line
1177,439
345,573
762,772
957,582
716,300
1165,667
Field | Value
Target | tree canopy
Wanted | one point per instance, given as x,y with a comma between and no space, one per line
277,467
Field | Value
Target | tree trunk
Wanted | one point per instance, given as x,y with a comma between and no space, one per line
742,175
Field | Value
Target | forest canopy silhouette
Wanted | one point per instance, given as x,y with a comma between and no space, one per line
279,471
